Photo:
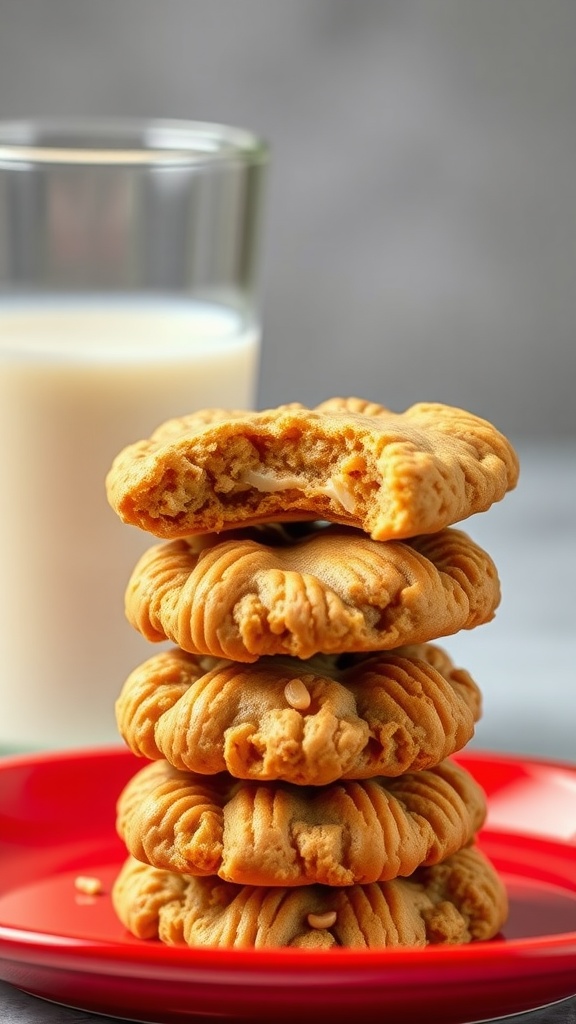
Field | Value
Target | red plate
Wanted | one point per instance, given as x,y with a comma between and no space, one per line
57,821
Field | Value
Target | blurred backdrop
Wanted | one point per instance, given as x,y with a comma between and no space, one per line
421,214
420,239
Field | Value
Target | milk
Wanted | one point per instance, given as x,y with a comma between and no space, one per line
80,379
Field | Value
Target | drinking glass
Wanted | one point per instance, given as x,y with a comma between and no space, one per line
129,294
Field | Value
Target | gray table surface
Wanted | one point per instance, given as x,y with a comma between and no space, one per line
523,661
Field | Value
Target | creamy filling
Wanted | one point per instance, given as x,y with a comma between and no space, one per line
335,488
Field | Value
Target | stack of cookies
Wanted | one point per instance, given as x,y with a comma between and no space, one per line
300,790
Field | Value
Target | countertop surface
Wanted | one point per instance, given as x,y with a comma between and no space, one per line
523,661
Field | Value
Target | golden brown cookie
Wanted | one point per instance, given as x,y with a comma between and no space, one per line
460,900
333,590
349,461
305,722
277,834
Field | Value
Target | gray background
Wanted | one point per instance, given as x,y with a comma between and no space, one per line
420,240
421,215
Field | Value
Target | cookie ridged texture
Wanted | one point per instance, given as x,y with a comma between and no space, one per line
393,475
333,590
458,901
378,715
277,834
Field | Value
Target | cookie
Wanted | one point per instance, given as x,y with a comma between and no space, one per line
331,591
392,475
277,834
460,900
304,722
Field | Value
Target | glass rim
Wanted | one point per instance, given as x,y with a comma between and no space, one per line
156,142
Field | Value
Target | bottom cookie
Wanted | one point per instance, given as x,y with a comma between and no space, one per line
460,900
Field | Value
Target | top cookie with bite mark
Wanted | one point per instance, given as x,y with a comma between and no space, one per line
349,461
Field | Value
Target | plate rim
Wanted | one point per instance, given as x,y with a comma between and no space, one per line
476,950
246,967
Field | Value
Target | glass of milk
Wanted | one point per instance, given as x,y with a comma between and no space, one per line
129,256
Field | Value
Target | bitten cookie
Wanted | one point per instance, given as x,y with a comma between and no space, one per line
305,722
458,901
333,590
350,461
278,834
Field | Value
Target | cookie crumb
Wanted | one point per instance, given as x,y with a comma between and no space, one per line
297,695
322,920
88,885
